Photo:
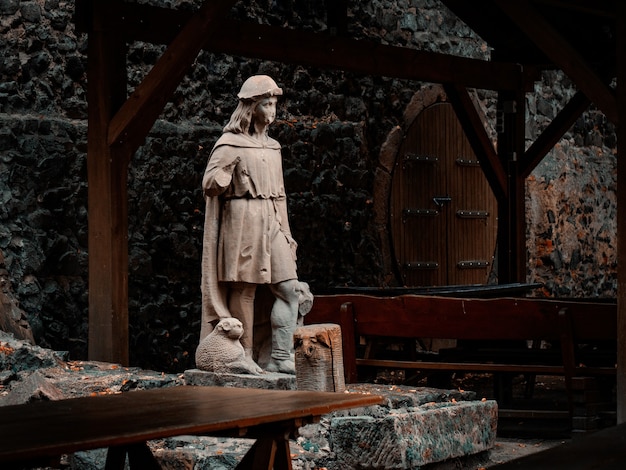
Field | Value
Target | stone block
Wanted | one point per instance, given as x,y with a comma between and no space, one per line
266,381
36,386
413,437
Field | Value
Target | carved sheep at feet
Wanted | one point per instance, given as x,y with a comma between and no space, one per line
221,352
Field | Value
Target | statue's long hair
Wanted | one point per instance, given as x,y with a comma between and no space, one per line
241,119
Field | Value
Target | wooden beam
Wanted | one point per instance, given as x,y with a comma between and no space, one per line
561,53
320,50
511,213
363,57
553,133
107,194
621,213
136,117
517,190
479,139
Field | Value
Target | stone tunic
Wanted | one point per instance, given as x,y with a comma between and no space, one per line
254,241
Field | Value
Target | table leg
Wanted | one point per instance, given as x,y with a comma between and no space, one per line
116,458
140,457
267,453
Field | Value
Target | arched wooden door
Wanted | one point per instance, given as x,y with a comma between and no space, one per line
443,212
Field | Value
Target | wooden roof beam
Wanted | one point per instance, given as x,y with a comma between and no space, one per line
538,30
553,133
137,115
321,50
479,139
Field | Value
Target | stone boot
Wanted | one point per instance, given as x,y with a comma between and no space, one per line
282,358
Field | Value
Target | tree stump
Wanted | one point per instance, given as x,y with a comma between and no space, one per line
319,358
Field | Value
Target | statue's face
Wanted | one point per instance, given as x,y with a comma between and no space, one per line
265,111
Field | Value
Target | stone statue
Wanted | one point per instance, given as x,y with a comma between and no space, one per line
220,351
247,238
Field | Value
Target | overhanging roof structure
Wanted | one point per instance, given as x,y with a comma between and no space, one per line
585,39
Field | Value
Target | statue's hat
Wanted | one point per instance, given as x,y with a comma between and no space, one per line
257,86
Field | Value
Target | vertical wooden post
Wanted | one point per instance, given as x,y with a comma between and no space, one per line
518,190
511,217
107,179
621,211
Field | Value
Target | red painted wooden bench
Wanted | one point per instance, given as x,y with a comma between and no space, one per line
570,324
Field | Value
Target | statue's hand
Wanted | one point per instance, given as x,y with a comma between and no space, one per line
293,245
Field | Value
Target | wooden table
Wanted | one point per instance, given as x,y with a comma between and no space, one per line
38,431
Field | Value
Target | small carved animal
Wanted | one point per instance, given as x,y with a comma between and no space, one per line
221,351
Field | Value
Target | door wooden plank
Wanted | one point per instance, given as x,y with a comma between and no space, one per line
478,138
430,242
471,240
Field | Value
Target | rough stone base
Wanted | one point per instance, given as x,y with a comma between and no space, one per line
415,436
266,381
412,428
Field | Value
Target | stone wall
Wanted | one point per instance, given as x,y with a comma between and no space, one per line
571,201
332,126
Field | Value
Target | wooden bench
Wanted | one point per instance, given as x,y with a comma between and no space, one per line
569,324
39,432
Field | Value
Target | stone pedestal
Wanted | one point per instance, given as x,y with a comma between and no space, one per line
267,380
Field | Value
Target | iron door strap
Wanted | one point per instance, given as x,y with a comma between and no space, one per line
421,265
415,158
467,162
468,214
473,264
419,213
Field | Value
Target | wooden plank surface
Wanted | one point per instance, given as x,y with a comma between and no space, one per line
539,369
45,428
415,316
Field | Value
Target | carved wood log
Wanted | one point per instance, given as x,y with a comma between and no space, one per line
319,358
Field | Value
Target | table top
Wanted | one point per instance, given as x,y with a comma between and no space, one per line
49,428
